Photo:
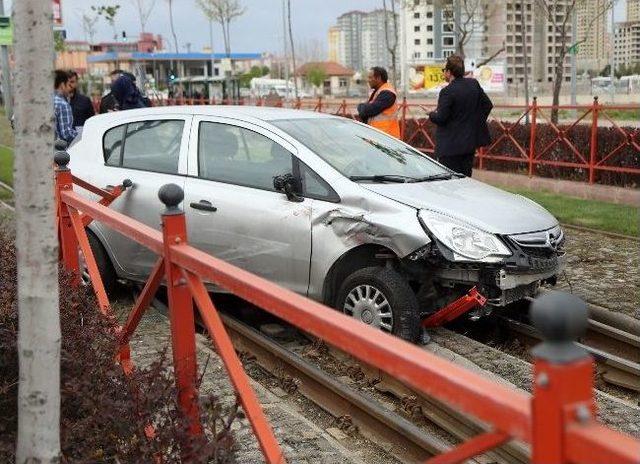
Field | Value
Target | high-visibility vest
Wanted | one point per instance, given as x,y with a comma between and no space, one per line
387,121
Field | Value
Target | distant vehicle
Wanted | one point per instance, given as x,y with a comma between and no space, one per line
325,206
630,84
600,84
263,87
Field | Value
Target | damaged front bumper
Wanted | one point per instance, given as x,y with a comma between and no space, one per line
515,278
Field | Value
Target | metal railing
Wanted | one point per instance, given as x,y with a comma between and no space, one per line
558,420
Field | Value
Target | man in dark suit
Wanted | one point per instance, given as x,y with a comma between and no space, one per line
461,118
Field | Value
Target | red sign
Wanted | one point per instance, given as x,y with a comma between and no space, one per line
57,12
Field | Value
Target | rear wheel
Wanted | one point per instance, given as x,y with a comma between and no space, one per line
105,267
381,298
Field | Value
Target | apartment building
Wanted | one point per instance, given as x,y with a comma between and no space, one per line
633,10
593,51
358,41
627,43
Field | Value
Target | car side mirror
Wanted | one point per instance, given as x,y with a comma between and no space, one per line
289,185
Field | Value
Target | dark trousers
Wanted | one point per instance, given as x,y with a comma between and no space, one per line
462,164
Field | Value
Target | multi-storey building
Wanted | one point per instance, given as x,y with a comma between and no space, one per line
627,43
591,32
350,24
359,40
375,42
337,45
430,35
633,10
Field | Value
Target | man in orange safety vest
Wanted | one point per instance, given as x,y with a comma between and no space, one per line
381,109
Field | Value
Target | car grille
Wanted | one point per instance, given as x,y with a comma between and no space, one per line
541,249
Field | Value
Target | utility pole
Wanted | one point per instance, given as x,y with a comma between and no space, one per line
613,52
36,237
523,27
284,41
7,94
574,57
212,58
404,68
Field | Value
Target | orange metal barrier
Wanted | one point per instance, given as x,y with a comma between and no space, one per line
558,420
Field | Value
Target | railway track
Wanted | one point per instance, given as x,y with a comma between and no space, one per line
613,342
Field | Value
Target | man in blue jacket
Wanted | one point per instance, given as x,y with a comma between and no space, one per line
461,118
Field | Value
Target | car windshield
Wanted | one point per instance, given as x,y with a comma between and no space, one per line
362,153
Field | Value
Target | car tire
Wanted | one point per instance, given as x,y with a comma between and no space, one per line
105,267
401,299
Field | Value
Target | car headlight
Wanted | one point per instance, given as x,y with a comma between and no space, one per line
463,239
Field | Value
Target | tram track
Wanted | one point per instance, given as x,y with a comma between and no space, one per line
614,345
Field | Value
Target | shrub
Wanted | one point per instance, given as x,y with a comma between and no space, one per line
104,413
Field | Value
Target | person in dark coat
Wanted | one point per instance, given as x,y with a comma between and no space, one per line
461,118
108,102
81,105
127,94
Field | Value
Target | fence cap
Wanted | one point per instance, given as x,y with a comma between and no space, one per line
171,195
561,318
62,158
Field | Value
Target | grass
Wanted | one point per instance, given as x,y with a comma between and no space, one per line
610,217
6,165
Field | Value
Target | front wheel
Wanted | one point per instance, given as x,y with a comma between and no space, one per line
381,298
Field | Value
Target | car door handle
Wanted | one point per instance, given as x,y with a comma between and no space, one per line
203,205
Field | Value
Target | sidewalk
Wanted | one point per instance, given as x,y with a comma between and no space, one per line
625,196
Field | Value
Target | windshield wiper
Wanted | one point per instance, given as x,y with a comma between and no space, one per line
443,176
384,178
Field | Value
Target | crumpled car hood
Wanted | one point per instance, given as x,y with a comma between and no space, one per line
489,208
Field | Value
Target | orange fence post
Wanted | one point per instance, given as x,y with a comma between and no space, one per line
593,151
403,121
563,376
532,139
181,318
67,236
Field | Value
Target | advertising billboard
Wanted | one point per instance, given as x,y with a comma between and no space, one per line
426,77
491,77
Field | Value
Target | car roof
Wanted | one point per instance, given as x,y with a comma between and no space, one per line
238,112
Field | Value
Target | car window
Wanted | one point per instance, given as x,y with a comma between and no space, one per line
112,145
153,145
240,156
313,186
357,150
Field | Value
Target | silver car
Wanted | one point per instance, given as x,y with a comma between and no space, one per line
322,205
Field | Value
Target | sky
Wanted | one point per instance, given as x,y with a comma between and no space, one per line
260,29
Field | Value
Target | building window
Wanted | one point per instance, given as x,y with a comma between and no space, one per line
416,15
416,54
429,14
416,42
429,27
342,82
447,41
429,54
429,41
416,28
447,53
447,27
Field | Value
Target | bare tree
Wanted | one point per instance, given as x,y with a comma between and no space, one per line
173,29
36,237
293,52
558,16
89,26
222,12
145,8
109,14
310,50
467,18
391,38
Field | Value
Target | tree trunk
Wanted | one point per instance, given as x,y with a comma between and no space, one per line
293,53
173,30
557,86
36,237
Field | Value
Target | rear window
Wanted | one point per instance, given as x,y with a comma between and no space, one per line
147,145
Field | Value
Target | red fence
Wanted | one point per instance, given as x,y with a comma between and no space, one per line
589,144
558,420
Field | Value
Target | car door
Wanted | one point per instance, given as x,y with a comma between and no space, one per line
151,151
233,210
